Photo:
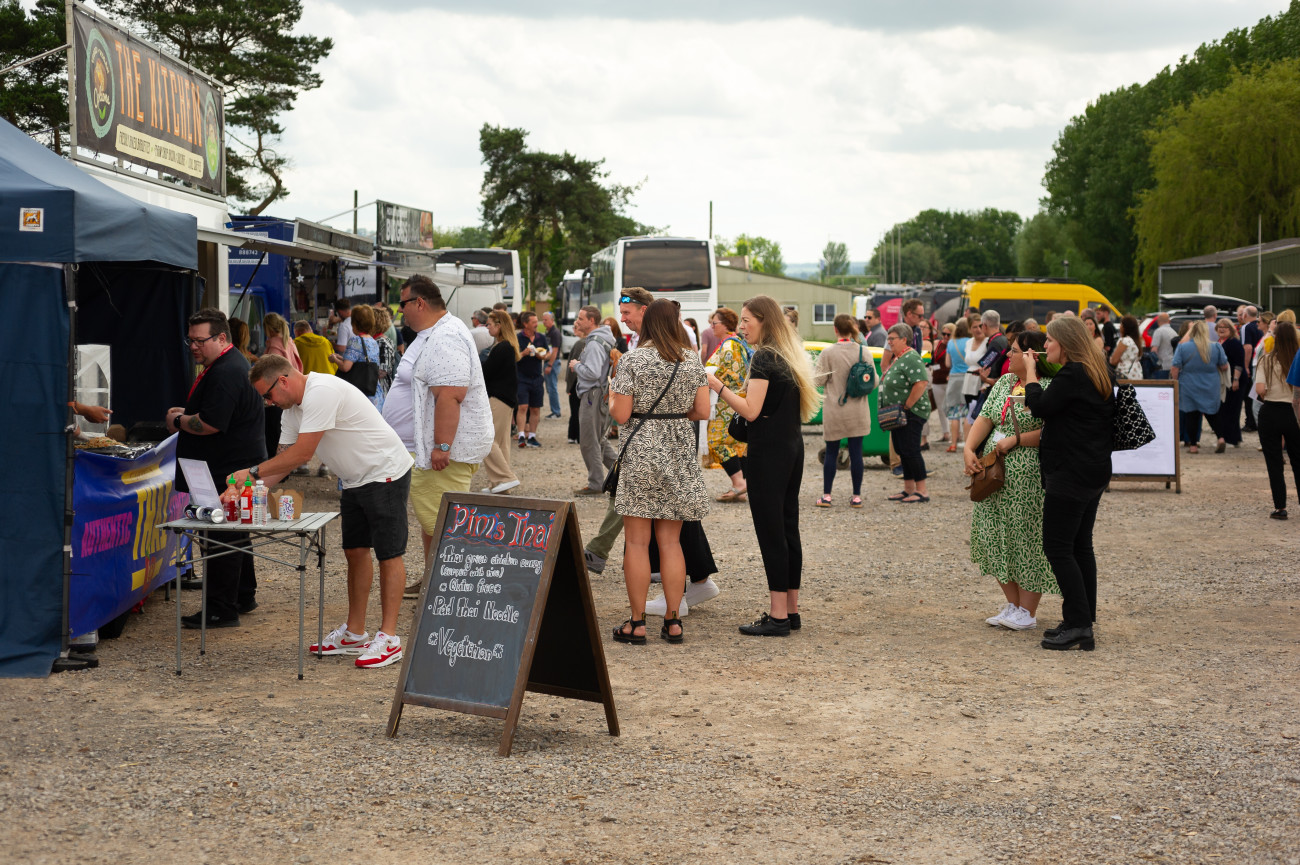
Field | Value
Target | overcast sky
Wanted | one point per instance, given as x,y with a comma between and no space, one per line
831,122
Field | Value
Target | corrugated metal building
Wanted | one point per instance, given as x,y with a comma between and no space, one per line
817,304
1238,272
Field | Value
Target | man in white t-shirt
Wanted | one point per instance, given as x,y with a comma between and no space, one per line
342,312
326,415
1162,343
438,404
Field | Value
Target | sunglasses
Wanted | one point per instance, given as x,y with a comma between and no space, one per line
266,395
401,304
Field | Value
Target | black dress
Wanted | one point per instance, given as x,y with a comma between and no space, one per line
774,471
1227,423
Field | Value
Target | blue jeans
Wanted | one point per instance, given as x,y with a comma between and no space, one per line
1161,374
552,387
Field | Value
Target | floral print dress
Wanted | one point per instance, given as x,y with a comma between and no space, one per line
732,360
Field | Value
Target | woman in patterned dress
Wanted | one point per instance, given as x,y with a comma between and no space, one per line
1006,529
660,482
732,361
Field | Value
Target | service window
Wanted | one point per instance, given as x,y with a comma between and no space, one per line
823,313
1043,307
1009,309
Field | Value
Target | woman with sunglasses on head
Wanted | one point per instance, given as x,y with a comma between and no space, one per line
779,396
1006,528
1078,414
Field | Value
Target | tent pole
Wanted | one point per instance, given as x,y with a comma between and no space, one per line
70,291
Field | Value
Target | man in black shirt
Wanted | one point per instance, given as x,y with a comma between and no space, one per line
1109,332
221,424
534,351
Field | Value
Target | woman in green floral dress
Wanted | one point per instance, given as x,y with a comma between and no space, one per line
732,360
1006,530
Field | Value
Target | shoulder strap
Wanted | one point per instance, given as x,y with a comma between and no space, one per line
654,405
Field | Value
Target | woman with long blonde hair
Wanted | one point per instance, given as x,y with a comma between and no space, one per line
1196,365
1078,414
779,396
500,377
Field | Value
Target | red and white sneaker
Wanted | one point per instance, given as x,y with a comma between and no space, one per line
341,641
382,651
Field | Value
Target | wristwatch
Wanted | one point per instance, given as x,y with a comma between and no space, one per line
253,473
443,447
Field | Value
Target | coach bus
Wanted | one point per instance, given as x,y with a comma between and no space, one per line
504,260
678,268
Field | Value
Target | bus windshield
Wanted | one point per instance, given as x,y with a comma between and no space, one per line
666,265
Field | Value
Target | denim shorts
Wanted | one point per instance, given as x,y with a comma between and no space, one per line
374,517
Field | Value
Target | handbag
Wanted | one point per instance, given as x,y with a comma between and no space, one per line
364,375
1131,428
738,428
611,479
993,468
892,417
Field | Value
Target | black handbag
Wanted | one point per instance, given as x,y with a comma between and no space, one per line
1131,429
611,480
738,428
364,375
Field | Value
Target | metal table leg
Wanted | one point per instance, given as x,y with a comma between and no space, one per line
320,594
203,600
178,602
302,590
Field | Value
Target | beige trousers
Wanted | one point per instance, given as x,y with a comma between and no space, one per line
497,463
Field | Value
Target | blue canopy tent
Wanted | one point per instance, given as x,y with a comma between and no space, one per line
65,237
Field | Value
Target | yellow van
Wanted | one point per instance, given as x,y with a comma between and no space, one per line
1016,299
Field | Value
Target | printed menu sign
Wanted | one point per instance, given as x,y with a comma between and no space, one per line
137,103
506,607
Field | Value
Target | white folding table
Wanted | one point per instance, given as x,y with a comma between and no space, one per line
307,533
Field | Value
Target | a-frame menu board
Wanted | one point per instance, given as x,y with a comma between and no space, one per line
506,607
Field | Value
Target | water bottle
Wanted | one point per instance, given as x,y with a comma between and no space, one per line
261,512
232,506
246,503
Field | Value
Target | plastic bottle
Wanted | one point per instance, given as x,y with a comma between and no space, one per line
261,510
232,506
246,503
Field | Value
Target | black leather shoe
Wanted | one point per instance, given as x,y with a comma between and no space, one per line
1068,638
1052,632
246,606
214,621
766,626
1279,514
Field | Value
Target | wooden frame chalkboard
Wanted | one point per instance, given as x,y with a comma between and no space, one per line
1161,460
506,607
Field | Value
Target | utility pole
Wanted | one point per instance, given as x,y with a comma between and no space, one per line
354,211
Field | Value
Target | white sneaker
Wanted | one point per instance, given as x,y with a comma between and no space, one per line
1019,619
659,607
698,593
504,485
341,641
382,651
996,621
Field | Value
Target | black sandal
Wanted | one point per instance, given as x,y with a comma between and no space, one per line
665,634
630,636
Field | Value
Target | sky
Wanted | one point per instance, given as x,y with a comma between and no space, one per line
804,123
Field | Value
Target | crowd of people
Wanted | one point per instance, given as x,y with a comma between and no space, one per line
403,414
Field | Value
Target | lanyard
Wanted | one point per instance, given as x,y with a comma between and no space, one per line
205,372
1007,405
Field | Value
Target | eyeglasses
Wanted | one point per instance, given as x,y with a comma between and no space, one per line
266,395
401,304
198,341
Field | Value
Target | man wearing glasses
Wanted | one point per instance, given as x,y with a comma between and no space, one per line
325,415
221,424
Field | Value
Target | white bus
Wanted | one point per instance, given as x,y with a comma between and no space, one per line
678,268
570,294
504,260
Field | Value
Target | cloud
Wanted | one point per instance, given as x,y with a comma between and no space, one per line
800,129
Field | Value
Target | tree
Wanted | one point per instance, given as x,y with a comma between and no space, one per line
953,245
765,255
1044,245
251,50
556,208
468,237
35,97
1101,161
835,261
1220,164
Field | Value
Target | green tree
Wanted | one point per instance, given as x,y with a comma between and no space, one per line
1220,164
35,97
533,200
834,262
765,255
1044,245
1101,161
250,48
967,243
468,237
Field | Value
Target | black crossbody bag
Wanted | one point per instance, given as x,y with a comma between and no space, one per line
611,480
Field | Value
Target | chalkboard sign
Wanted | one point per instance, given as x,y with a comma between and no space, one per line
506,607
1159,460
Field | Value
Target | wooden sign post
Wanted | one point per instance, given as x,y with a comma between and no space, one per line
506,607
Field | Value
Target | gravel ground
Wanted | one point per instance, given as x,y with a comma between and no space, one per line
895,728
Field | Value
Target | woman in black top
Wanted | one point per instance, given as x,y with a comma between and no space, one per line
1074,453
779,396
500,377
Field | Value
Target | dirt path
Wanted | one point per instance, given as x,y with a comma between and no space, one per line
896,727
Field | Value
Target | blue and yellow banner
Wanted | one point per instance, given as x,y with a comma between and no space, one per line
118,554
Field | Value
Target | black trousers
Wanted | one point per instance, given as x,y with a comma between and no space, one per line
1067,543
1277,424
574,405
773,474
1249,403
907,444
231,580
